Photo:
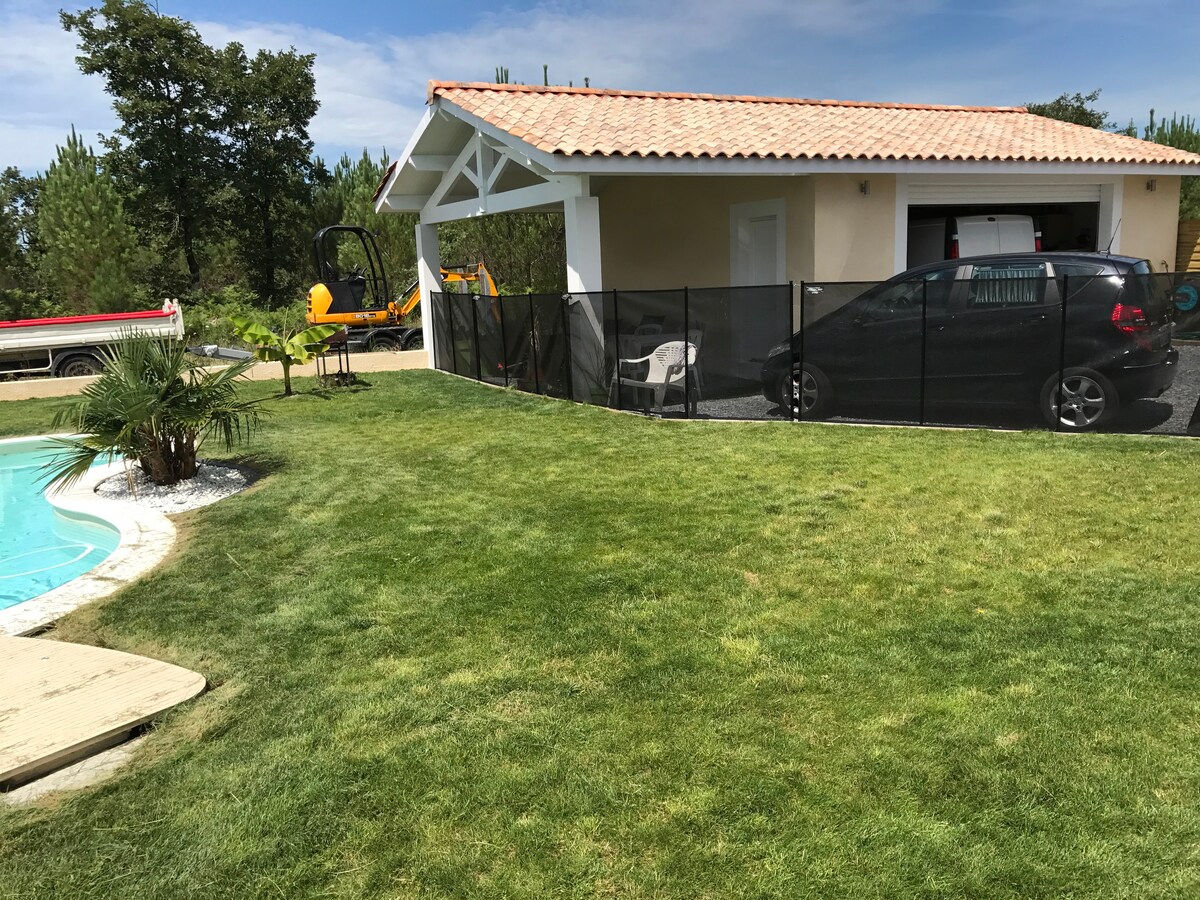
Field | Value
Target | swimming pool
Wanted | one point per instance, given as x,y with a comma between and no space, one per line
41,547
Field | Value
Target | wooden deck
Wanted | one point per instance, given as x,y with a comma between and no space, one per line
61,702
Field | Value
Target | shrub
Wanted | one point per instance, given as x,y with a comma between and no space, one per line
207,316
289,348
154,404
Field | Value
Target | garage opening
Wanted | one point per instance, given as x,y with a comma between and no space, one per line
1068,215
1062,226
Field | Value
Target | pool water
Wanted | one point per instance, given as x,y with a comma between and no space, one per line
41,547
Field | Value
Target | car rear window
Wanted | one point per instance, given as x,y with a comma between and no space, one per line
1078,275
1153,293
1003,285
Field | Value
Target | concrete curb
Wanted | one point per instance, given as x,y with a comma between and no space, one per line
146,538
38,388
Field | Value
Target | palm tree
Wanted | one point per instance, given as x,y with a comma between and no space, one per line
153,404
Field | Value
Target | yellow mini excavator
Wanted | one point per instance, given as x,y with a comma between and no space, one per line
359,298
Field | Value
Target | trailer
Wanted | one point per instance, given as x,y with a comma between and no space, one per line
75,345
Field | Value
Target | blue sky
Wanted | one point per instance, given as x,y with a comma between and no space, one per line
374,57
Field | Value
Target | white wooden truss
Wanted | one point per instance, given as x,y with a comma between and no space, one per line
487,176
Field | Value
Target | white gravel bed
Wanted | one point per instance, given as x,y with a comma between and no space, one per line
213,482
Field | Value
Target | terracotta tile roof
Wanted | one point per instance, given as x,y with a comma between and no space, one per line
593,122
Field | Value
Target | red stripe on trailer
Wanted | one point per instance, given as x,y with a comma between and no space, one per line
80,320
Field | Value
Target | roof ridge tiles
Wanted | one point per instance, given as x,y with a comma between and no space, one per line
435,88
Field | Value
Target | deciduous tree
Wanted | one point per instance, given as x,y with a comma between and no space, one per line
163,80
1076,108
269,100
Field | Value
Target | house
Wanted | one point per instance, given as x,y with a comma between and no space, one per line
662,190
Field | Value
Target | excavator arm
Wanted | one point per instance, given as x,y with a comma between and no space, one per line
466,274
359,297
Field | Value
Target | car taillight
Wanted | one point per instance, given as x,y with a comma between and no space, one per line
1130,319
1037,242
954,247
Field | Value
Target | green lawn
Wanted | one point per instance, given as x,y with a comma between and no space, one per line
471,643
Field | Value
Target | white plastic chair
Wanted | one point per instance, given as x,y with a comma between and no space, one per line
665,370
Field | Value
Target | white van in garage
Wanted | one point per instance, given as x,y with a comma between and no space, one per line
930,240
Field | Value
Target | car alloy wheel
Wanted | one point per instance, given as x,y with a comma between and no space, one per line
806,392
1084,402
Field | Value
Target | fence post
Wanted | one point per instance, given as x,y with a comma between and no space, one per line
1062,356
450,328
924,338
617,348
563,302
792,336
687,374
798,360
475,335
503,338
533,346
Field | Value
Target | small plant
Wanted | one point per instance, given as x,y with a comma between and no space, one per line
288,349
153,404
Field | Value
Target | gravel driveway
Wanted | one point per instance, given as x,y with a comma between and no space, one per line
1168,414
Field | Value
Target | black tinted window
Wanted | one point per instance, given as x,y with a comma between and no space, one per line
1078,275
1007,284
903,299
1154,293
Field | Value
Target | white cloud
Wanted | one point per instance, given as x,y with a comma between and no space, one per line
372,92
44,92
372,89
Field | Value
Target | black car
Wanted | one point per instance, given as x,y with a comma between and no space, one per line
986,331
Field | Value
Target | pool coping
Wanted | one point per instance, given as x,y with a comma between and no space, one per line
147,537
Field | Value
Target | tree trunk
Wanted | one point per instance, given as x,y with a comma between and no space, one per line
154,464
185,457
287,377
268,236
189,251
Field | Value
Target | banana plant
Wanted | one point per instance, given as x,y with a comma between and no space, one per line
288,349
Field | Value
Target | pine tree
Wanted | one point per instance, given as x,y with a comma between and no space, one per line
353,184
1182,133
87,246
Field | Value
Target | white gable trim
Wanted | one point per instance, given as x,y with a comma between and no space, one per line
382,203
481,161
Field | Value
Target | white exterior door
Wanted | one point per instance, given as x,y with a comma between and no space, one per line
757,256
757,246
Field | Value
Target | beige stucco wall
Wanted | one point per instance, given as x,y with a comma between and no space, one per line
1150,219
670,231
855,232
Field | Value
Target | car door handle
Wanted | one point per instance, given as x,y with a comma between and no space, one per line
1036,317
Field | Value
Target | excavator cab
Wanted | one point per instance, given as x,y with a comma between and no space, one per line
351,287
352,290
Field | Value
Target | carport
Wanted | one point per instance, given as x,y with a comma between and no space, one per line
661,191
